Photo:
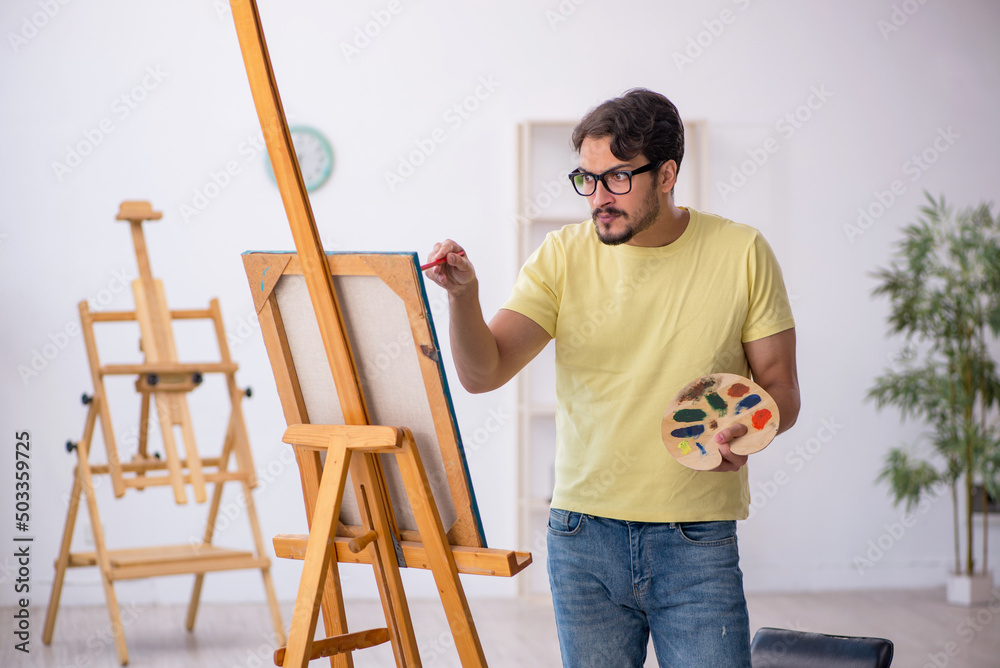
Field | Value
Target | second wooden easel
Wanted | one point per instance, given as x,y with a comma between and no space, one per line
164,382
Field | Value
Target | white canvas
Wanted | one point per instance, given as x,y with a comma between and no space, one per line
377,326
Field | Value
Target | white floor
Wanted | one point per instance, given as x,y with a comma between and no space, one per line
514,633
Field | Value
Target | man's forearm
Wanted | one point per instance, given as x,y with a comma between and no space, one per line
786,397
473,345
772,365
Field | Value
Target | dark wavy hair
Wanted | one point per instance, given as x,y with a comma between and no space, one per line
640,121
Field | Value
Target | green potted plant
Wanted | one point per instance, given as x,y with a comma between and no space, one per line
943,284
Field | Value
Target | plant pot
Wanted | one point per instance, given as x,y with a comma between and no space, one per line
969,590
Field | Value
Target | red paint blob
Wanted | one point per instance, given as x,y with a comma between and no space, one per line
738,390
760,418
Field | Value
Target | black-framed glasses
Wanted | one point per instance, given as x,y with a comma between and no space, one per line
616,181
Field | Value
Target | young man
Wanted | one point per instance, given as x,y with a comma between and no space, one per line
641,299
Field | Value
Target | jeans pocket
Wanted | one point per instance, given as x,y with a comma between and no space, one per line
565,522
708,534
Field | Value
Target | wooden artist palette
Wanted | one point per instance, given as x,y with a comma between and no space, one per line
710,404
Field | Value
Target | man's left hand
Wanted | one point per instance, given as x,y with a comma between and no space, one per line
730,460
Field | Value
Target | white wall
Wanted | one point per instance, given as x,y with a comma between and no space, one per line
884,98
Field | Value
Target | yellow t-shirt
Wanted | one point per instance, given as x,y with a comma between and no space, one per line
632,326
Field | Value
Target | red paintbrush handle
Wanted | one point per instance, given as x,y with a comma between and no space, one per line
440,260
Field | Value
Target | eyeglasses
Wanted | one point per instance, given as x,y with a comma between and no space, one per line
616,181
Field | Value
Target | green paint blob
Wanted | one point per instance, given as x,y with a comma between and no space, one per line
689,415
718,403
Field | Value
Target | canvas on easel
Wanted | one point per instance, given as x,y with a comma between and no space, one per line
323,318
163,383
388,324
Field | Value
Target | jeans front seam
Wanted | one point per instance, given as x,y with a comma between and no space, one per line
637,562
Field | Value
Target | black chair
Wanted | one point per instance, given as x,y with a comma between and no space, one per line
784,648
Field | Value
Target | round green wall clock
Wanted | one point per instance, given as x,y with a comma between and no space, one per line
314,154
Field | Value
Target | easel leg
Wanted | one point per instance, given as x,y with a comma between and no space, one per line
387,576
103,561
258,539
335,615
319,553
442,561
213,513
199,579
332,603
272,599
192,610
107,431
62,562
244,459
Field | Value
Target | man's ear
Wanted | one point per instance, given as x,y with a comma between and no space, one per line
667,175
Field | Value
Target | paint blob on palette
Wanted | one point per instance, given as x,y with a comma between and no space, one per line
709,404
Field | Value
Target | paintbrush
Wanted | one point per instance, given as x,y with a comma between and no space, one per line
440,260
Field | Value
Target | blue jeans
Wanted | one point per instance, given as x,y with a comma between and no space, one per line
614,582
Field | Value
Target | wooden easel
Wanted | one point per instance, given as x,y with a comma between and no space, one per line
355,445
165,381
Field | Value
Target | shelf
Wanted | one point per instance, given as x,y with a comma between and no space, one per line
546,202
134,563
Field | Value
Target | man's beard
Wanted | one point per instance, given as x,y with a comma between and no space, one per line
644,219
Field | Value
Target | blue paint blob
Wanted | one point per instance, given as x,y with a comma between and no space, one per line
688,432
748,402
701,447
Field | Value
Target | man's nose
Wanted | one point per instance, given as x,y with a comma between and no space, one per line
602,196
